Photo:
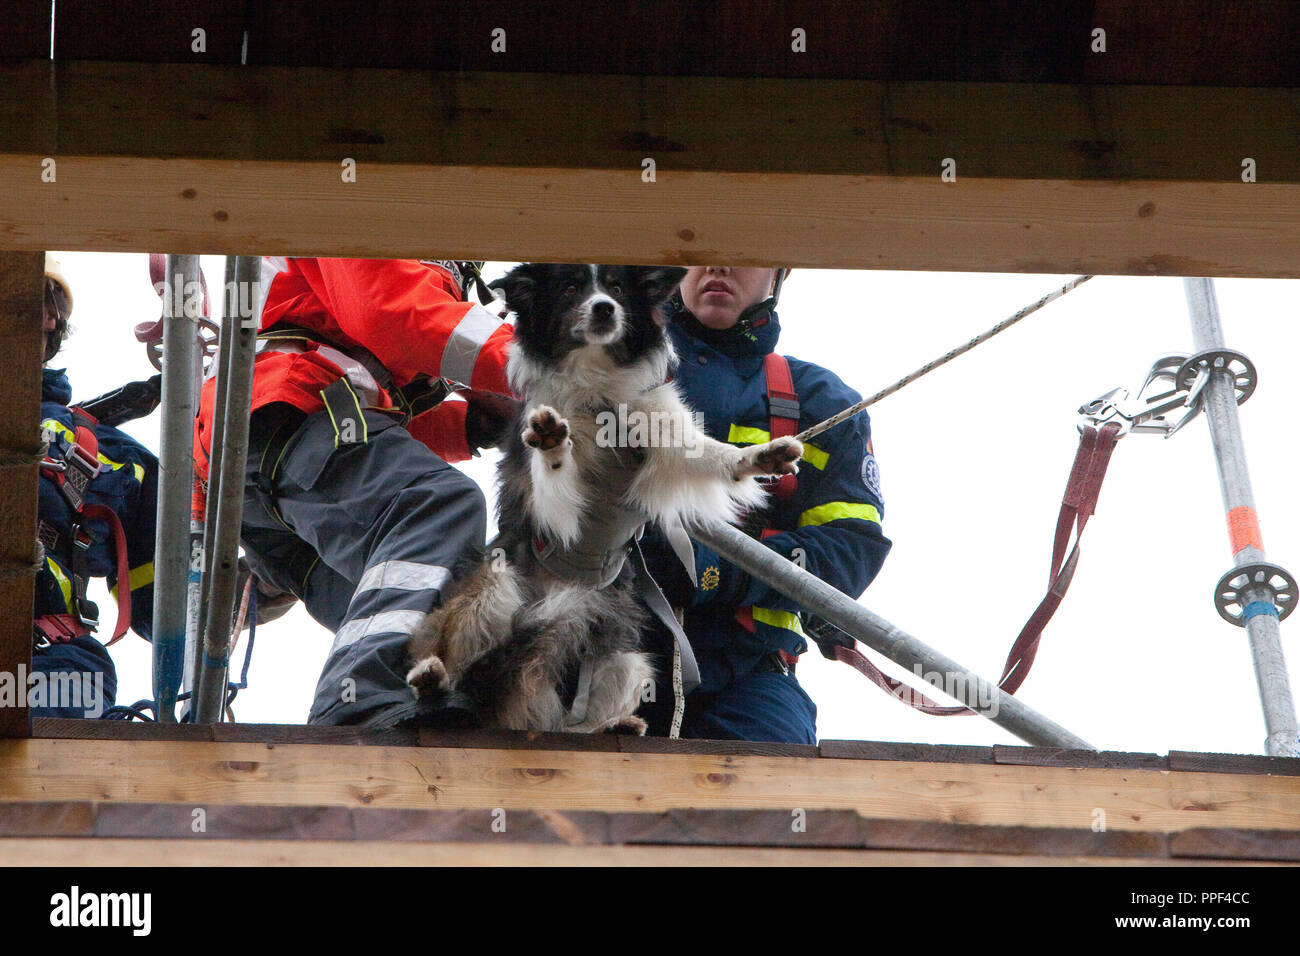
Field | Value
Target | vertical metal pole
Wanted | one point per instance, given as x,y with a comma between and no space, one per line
1234,480
176,477
203,518
237,377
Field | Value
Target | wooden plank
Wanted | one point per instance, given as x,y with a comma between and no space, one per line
467,778
1220,843
204,822
739,748
75,729
54,818
923,753
516,740
73,852
801,127
149,30
21,298
1234,763
26,30
565,215
969,40
1052,757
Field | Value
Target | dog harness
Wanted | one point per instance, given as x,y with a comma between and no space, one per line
608,536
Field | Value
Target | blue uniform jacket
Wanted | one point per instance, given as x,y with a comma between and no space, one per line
127,483
832,523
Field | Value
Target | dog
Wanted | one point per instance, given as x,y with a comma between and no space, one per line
547,605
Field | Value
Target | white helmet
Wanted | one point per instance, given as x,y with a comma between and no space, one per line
54,270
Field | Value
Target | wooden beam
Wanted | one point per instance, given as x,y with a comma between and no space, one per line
21,298
1014,131
1048,41
72,852
502,166
685,218
467,778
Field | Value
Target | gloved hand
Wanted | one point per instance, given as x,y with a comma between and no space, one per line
489,418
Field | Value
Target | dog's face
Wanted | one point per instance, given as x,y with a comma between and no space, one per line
563,308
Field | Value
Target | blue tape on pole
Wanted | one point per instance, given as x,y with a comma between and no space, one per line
1256,608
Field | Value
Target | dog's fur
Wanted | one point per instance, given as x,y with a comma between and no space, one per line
587,339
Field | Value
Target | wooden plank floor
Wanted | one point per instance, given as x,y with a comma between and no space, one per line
109,793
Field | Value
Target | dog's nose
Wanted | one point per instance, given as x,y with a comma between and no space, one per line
602,313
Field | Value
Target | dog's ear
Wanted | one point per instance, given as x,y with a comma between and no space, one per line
657,283
519,286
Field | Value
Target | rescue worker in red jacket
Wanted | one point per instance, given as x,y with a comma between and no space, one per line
343,507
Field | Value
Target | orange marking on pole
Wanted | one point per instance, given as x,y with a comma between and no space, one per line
1243,529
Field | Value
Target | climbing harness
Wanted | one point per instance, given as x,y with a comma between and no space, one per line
72,475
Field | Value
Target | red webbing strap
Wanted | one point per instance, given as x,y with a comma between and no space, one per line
780,385
109,516
1078,505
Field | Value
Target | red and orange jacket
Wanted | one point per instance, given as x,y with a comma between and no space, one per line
409,314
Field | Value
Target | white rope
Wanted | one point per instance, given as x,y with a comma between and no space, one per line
942,360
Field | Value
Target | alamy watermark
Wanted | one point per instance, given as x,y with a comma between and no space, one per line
980,696
625,427
68,690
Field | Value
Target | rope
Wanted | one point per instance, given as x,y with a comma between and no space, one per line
852,410
16,458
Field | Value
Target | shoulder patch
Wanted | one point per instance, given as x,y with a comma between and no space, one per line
871,472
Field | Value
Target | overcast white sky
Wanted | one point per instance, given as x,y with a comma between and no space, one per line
974,460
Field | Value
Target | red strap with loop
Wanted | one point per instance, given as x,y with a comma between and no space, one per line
1078,505
109,516
780,387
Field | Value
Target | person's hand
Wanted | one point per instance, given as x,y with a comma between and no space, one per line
488,418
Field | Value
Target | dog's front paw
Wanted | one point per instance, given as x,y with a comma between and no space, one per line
777,457
630,724
547,432
429,676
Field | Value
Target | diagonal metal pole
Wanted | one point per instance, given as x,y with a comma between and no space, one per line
235,387
176,471
815,595
1220,402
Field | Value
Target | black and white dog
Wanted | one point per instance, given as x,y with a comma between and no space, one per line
604,445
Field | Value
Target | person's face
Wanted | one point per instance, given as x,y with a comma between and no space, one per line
54,304
716,295
56,318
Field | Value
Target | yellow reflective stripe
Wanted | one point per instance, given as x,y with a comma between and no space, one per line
836,510
782,619
742,435
64,584
141,576
71,436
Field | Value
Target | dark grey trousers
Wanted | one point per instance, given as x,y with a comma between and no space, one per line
368,535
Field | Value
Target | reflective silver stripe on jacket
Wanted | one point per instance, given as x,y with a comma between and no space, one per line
403,576
465,342
386,622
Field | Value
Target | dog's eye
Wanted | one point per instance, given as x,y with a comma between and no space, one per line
570,290
616,289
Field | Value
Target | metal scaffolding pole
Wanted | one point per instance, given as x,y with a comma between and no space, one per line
203,519
235,389
818,597
176,471
1257,597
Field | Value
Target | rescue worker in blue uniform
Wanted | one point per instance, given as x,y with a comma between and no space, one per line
78,540
745,634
